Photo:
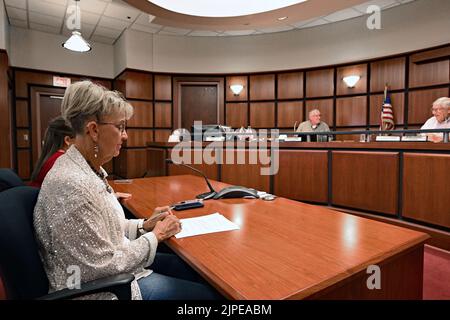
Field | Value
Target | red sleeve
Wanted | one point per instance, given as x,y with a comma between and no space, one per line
45,169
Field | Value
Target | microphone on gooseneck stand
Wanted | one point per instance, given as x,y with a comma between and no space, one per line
206,195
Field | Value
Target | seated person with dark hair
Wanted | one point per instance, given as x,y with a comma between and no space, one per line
58,138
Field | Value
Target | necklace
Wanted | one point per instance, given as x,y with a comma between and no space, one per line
102,177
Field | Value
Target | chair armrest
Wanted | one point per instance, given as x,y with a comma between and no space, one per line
120,285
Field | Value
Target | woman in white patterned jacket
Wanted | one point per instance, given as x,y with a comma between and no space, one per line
79,221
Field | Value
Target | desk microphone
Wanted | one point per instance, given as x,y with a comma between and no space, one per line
206,195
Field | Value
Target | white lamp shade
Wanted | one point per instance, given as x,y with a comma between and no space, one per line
351,81
236,88
77,43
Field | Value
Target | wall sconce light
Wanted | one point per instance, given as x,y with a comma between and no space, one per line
236,88
351,81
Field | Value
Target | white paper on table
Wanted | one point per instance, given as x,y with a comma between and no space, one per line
214,222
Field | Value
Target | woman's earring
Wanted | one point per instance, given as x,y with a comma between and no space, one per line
96,151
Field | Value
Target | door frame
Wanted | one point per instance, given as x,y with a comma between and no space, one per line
35,94
210,81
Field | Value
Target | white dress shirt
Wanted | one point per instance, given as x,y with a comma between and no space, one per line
432,123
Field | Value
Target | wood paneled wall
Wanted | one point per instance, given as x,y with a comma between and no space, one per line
24,81
320,83
426,176
420,103
279,99
262,87
357,174
262,114
351,111
361,85
6,113
151,96
268,100
390,71
302,175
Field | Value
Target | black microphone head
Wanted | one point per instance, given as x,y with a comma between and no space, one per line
169,160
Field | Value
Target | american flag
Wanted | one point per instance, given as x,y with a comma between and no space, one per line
387,113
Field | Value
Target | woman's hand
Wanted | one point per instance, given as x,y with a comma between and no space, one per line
434,137
166,228
122,196
158,214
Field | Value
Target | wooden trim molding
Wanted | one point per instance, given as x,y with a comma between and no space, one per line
431,56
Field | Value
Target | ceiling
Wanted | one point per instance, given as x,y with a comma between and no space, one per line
222,8
105,20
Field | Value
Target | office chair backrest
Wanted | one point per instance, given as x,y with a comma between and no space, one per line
22,271
9,179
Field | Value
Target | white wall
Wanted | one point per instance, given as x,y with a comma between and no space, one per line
38,50
134,50
139,50
4,28
120,54
420,24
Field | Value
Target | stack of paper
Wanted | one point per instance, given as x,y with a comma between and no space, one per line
205,224
387,138
293,139
414,138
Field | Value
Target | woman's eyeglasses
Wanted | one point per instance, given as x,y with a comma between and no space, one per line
435,109
121,126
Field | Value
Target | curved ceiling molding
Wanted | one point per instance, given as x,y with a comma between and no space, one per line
105,21
223,8
293,13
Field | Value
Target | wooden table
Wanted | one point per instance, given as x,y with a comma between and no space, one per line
286,249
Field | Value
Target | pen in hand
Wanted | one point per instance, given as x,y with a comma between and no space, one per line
158,216
160,213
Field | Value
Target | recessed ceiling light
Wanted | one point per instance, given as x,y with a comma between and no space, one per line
282,18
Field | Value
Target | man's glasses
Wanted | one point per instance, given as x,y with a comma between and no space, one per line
121,126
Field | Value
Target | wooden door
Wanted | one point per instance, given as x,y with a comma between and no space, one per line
198,103
45,106
198,98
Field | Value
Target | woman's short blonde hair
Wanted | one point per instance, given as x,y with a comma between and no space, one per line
84,101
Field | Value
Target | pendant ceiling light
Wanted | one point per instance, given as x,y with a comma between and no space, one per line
76,42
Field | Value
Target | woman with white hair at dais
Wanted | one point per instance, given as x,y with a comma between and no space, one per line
79,221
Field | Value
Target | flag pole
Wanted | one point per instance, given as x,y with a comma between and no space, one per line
384,101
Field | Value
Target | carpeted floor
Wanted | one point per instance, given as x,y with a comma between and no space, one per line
436,275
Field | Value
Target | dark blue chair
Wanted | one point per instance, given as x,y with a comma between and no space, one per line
9,179
21,268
